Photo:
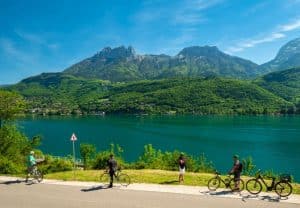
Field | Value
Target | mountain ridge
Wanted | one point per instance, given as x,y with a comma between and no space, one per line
287,57
123,64
211,95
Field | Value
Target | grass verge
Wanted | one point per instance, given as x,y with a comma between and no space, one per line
147,176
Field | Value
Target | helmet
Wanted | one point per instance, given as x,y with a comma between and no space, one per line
31,152
236,156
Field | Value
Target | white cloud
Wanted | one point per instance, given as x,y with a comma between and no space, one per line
201,4
291,26
280,33
37,40
185,13
12,51
30,37
253,42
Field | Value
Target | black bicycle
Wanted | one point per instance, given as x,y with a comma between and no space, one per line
229,182
283,187
35,173
120,177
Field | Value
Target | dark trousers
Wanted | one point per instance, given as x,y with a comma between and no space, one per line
237,176
111,174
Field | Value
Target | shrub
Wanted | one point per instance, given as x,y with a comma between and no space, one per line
9,167
87,151
52,164
204,165
101,159
248,166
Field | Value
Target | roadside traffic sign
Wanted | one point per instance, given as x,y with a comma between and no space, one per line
73,137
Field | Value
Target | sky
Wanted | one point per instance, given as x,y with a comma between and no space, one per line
49,36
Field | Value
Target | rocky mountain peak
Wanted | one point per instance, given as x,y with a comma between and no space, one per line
116,53
196,51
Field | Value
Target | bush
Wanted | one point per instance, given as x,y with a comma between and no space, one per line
14,148
248,166
101,159
51,164
9,167
204,165
87,151
156,159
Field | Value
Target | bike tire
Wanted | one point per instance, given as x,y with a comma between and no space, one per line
124,179
254,186
232,184
283,186
213,184
105,178
39,176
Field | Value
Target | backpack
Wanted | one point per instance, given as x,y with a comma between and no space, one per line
240,167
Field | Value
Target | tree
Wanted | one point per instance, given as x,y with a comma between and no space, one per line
86,152
14,146
11,104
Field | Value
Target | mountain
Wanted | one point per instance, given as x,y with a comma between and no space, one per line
287,57
285,84
211,95
123,64
59,93
53,93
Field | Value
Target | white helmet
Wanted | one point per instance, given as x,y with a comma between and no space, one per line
32,152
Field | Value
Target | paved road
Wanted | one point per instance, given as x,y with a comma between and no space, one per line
16,194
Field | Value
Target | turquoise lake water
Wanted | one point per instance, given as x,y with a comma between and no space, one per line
272,141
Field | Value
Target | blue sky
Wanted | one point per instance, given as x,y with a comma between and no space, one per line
48,36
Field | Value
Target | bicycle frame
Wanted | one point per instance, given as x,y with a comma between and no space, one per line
227,184
269,188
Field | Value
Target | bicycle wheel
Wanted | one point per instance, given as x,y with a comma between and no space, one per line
105,178
241,185
283,189
38,176
213,184
253,186
124,179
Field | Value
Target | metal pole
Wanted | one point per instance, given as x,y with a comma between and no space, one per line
74,160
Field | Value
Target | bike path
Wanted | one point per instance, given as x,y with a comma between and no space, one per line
175,189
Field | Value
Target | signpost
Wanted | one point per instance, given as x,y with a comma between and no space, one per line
73,139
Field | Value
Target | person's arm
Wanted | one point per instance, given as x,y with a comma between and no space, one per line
235,167
232,169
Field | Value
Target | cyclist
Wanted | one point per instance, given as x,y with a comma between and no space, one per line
236,171
112,168
31,163
182,166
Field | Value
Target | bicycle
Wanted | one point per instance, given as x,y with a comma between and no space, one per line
35,173
121,178
229,182
283,187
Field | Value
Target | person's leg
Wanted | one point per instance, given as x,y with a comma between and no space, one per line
182,174
111,174
237,181
29,170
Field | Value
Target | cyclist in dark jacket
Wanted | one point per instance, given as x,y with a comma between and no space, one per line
112,168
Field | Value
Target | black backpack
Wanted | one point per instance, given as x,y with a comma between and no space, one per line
240,167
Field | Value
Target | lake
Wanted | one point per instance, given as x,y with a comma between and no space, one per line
272,141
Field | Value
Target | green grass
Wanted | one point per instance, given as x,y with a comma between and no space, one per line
147,176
